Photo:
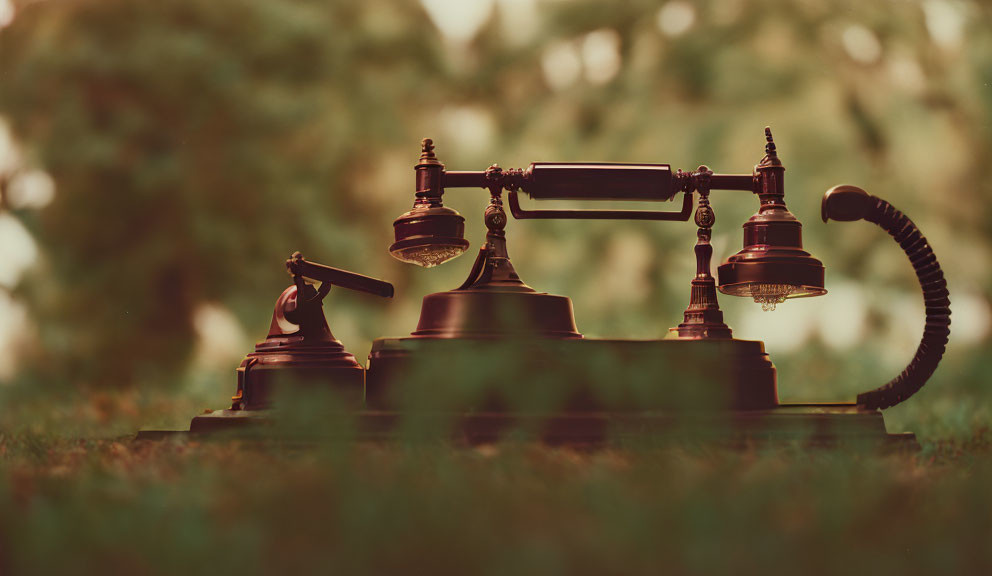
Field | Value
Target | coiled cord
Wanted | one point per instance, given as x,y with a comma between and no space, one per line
848,203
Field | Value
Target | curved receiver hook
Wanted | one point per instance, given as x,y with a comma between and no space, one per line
850,203
519,213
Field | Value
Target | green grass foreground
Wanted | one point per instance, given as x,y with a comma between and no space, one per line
115,506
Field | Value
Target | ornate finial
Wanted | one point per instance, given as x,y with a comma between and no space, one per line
771,154
427,157
427,149
770,144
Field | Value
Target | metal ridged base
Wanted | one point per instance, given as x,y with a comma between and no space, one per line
266,374
807,425
496,314
576,375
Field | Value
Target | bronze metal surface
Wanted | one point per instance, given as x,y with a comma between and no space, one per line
773,252
494,302
299,351
296,353
495,314
703,318
494,355
427,228
299,266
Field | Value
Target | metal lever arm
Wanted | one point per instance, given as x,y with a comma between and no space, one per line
849,203
300,267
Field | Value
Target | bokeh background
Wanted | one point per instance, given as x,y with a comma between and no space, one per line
160,160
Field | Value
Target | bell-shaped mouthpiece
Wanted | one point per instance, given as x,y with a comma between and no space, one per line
772,266
429,235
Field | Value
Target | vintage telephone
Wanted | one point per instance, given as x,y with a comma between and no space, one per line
719,385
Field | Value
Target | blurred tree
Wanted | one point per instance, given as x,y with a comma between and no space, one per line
192,143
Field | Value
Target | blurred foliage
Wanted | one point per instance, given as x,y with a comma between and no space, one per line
194,145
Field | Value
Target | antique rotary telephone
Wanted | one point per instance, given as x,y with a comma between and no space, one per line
702,374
